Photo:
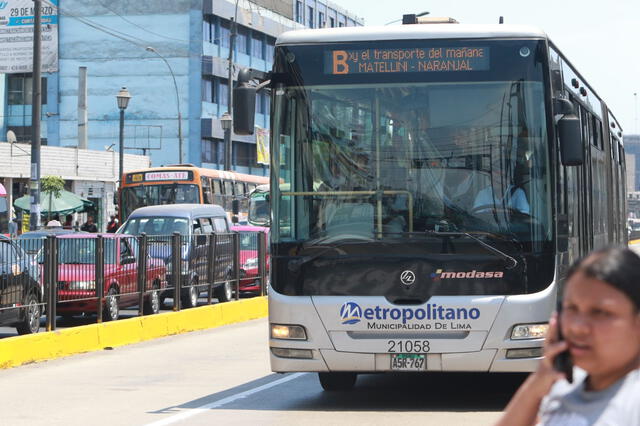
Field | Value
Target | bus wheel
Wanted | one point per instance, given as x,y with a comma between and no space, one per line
337,381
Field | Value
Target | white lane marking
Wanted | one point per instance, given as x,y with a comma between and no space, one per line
224,401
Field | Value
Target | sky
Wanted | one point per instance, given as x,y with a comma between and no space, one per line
602,43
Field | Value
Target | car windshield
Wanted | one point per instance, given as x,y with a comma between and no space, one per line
156,226
82,251
248,240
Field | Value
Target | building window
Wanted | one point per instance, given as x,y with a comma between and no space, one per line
20,89
321,22
207,28
245,154
243,40
223,92
299,12
310,16
208,94
210,150
225,32
257,45
270,48
332,22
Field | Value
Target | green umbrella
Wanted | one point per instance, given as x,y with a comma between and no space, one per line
66,203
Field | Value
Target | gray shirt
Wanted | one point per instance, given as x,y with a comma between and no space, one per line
572,405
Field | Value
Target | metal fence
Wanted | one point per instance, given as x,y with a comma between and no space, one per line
93,274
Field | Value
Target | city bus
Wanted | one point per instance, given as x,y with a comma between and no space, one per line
186,184
430,185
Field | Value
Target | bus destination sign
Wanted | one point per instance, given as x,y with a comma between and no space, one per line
159,176
415,59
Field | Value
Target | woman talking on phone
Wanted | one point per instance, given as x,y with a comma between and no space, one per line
597,329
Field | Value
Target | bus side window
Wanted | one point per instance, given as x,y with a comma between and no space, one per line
217,192
240,190
206,190
228,194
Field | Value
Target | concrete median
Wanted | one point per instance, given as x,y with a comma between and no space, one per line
15,351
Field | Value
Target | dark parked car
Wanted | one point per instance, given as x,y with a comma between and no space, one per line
21,293
194,222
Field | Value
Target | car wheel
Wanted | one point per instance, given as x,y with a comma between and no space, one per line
224,293
112,310
337,381
152,301
30,324
190,296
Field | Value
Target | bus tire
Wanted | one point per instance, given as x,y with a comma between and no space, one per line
342,381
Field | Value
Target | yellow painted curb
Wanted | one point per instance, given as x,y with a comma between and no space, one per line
19,350
632,242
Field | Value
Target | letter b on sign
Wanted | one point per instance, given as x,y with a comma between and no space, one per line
340,65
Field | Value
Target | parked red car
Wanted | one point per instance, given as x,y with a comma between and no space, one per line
77,276
249,273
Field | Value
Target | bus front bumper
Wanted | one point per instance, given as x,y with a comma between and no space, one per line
487,360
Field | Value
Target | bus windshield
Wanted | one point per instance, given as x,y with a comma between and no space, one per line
384,156
134,197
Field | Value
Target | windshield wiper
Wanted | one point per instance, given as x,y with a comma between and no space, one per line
472,235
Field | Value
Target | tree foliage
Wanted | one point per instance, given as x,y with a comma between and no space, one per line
55,184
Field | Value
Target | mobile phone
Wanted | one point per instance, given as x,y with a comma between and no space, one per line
562,362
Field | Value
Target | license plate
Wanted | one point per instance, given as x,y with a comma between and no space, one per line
408,362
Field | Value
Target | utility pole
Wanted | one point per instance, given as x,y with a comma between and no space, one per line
36,101
228,142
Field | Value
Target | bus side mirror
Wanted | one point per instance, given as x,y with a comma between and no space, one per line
244,109
571,149
235,206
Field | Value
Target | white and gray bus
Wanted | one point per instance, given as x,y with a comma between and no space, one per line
430,185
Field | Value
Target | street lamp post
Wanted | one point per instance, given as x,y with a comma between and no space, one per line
123,98
226,121
175,86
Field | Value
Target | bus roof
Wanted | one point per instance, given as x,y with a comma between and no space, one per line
408,32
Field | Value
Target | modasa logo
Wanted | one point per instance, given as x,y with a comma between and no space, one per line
351,313
441,275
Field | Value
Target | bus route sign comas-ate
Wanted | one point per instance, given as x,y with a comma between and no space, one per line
399,60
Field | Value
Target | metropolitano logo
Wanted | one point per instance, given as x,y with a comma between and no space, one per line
351,313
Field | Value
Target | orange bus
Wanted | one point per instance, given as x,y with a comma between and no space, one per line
184,183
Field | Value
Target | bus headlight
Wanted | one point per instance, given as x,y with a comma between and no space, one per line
529,331
288,332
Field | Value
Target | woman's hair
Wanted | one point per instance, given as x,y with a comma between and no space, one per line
617,266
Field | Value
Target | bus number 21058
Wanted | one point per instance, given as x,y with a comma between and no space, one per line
408,346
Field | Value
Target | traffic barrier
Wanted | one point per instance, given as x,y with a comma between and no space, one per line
15,351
